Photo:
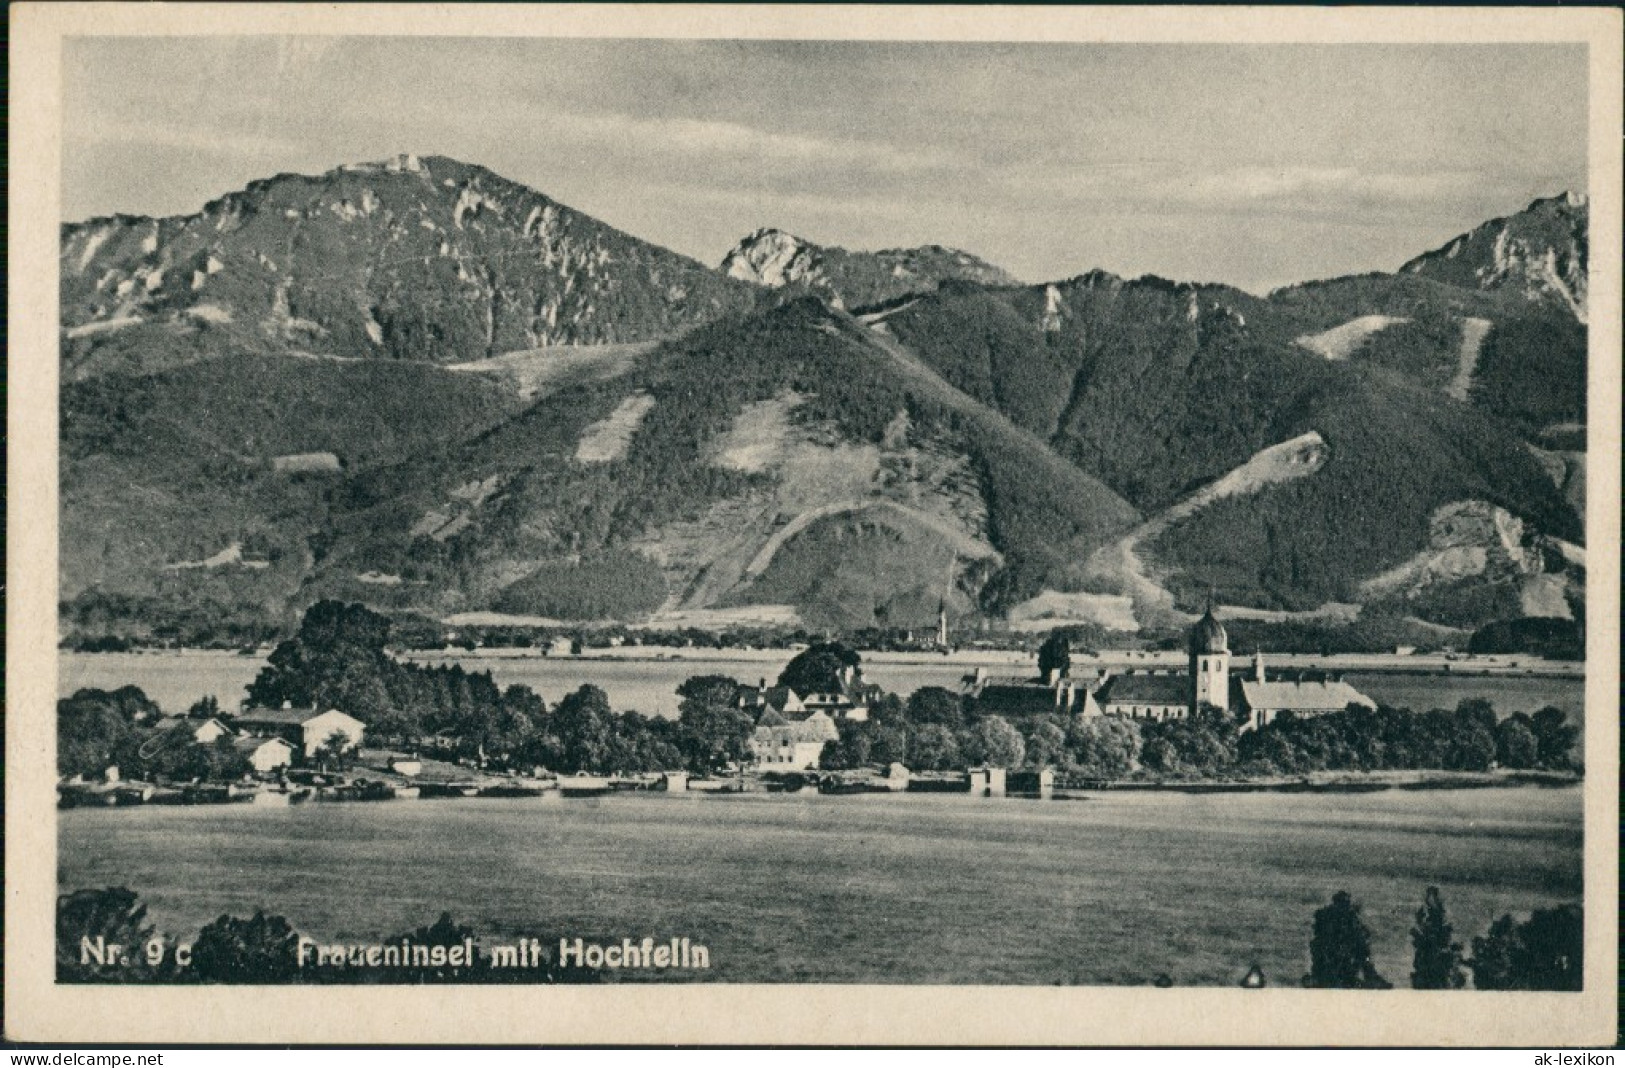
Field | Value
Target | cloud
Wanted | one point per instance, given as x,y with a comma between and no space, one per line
1275,183
152,133
732,141
1184,186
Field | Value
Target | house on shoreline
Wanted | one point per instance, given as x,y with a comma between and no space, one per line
305,729
201,731
778,744
264,755
849,699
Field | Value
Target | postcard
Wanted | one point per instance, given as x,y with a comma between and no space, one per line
813,525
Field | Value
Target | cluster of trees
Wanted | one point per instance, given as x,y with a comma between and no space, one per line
262,949
98,729
1554,639
1470,738
934,730
339,659
1544,952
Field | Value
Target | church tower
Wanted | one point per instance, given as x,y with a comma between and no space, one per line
1210,664
942,624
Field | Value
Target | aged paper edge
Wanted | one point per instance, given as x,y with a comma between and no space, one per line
38,1010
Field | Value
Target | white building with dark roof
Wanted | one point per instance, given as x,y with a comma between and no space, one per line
1146,696
202,731
1021,695
304,728
779,745
264,755
1262,699
1208,682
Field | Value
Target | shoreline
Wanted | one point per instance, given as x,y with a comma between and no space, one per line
1488,665
752,786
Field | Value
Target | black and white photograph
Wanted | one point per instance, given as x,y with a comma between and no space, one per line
564,506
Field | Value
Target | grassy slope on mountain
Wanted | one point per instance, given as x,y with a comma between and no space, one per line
983,346
1314,306
857,570
1426,347
1042,513
613,585
1532,365
254,407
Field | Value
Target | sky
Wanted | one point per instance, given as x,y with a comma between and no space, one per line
1253,165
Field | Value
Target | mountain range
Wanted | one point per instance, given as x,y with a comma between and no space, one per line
422,386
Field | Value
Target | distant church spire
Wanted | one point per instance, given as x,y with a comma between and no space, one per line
1258,664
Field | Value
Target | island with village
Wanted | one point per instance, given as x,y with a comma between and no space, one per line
334,716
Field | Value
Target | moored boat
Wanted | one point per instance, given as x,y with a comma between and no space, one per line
214,794
280,797
584,785
446,789
716,786
511,789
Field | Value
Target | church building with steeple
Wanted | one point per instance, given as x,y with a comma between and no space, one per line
1207,682
1209,648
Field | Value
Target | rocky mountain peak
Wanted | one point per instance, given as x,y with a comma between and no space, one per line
771,257
1541,253
420,258
776,259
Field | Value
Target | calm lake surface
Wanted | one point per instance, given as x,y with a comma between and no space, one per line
176,679
1111,890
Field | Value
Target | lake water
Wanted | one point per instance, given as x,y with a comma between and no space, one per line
175,680
919,889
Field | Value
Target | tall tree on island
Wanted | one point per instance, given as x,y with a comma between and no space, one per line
585,728
714,731
935,705
1055,656
819,668
337,659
